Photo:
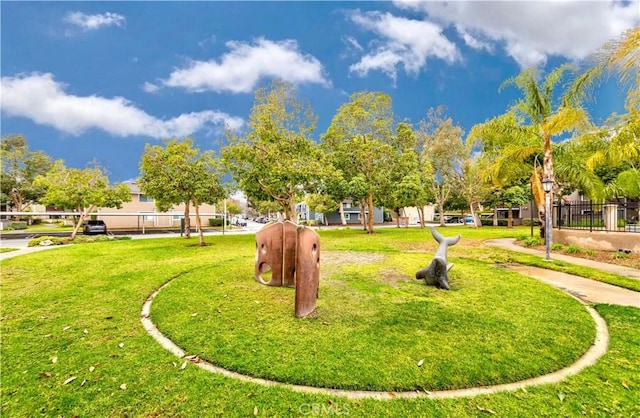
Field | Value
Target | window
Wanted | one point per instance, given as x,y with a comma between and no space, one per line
177,217
145,199
347,216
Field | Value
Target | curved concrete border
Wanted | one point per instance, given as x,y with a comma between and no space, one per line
597,350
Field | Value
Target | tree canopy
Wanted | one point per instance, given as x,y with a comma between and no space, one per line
275,159
179,173
83,190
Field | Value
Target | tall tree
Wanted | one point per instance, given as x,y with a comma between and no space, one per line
473,187
179,173
276,160
83,190
523,136
358,143
442,153
20,167
619,140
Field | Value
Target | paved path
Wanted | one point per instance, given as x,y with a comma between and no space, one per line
589,291
508,244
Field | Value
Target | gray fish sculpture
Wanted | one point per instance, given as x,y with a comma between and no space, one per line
437,274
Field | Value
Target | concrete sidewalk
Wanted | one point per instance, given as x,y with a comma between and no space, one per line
589,291
508,244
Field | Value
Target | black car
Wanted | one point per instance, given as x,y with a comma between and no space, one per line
95,227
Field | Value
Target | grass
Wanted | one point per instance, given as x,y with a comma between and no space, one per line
78,304
7,249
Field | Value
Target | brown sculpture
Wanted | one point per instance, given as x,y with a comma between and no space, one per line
292,254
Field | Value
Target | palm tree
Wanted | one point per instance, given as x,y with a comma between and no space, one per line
618,142
521,139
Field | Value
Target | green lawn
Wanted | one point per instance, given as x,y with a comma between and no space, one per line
74,313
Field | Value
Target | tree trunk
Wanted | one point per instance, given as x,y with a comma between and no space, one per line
421,216
473,216
292,216
441,212
199,223
187,221
370,217
77,226
547,172
343,220
495,216
510,218
363,215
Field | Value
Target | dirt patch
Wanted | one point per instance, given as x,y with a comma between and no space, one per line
332,261
393,278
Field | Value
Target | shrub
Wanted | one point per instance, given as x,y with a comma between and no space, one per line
622,223
522,237
18,225
532,242
215,221
47,241
591,252
619,255
572,249
557,246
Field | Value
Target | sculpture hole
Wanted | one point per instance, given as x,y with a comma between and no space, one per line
263,248
265,272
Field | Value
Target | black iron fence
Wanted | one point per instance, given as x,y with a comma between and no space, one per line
616,217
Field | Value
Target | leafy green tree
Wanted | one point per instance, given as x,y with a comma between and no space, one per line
83,190
442,153
179,173
276,160
359,144
473,187
321,203
20,167
522,137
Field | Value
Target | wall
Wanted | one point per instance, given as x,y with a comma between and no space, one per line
598,240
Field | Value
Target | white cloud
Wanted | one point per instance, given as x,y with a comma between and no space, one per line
240,70
150,87
531,31
43,100
404,41
93,22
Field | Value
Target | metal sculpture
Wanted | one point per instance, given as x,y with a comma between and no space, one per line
292,254
437,274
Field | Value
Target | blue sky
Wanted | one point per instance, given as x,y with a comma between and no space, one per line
99,80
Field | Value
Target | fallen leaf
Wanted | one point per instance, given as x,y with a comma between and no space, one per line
184,366
45,374
255,411
174,364
66,328
121,345
54,359
487,410
123,386
625,384
561,396
393,395
83,382
69,380
91,368
47,336
43,317
194,314
420,363
86,331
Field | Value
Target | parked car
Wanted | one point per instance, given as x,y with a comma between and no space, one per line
237,221
95,227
